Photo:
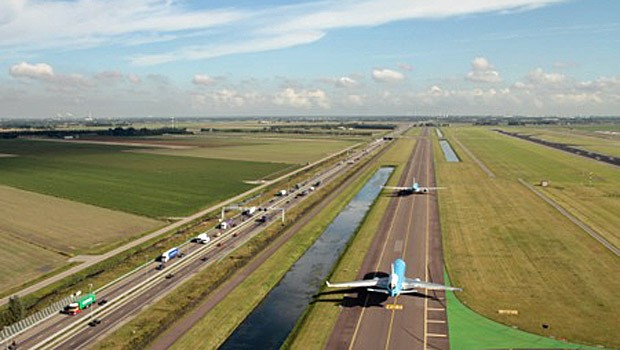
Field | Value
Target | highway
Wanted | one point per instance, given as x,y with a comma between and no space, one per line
409,230
129,294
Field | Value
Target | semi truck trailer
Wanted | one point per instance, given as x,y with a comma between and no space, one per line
83,303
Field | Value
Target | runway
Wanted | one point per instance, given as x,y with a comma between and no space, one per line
409,230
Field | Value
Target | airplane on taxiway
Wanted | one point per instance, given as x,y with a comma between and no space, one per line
415,188
395,284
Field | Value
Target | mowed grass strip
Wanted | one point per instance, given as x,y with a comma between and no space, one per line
144,184
289,151
509,250
588,189
314,329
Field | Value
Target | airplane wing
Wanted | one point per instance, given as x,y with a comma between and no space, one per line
419,284
378,282
395,188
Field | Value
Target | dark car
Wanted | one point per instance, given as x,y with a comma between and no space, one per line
160,267
102,302
169,276
94,322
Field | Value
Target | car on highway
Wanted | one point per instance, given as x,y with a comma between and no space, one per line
169,276
102,302
94,322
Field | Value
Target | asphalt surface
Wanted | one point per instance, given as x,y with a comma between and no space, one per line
409,230
78,334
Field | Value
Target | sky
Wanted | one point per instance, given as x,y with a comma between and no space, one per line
140,58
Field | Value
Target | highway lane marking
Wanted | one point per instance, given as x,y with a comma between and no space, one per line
394,306
359,320
436,309
436,321
436,335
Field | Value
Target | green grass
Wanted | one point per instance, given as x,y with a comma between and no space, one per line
289,150
20,262
588,189
510,250
315,328
577,138
471,331
143,184
141,330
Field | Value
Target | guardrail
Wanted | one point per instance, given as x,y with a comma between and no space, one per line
21,326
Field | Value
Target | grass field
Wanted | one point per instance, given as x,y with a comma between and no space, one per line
284,149
510,250
471,331
144,184
588,189
314,330
40,232
21,261
577,138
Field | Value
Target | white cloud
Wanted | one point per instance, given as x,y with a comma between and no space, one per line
483,72
384,75
302,98
27,25
355,100
538,76
259,44
203,79
33,71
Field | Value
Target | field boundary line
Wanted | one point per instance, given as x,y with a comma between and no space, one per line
163,230
573,219
474,158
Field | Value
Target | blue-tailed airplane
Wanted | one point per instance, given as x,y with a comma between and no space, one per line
415,188
396,283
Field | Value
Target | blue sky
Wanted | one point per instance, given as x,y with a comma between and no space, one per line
116,58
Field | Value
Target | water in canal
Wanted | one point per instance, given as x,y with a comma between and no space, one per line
448,151
268,326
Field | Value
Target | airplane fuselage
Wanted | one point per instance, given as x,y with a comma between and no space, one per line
397,277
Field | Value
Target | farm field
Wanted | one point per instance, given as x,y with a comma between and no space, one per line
508,249
40,232
145,184
270,148
22,262
587,141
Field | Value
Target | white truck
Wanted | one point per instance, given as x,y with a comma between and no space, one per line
282,193
202,238
250,211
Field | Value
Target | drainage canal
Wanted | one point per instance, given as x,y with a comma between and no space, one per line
268,326
448,152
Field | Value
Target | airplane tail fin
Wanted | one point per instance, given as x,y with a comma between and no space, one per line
392,269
